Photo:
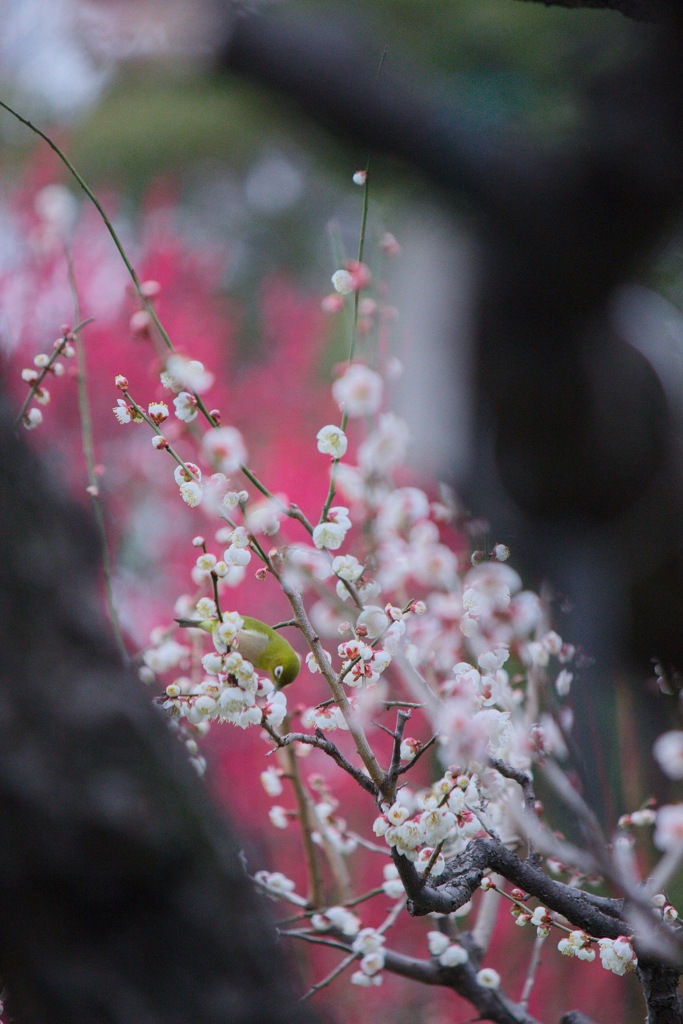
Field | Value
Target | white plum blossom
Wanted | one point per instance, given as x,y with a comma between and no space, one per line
238,553
577,944
535,653
343,920
164,656
488,978
157,412
359,391
454,955
542,920
424,859
642,818
182,372
312,661
347,567
191,493
373,962
225,631
186,407
332,441
277,883
233,700
271,781
187,473
265,516
487,590
224,449
328,718
668,751
278,817
397,814
213,663
410,747
392,884
368,940
206,607
330,534
206,562
365,980
617,955
437,823
385,448
123,411
494,658
437,942
275,709
402,509
669,829
373,619
563,682
406,838
342,282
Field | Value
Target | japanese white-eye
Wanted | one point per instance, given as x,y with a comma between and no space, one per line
261,645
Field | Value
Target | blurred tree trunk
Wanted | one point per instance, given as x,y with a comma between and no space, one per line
122,894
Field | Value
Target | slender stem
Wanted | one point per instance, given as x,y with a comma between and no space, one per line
533,968
329,978
308,826
56,353
364,749
150,423
292,511
107,223
89,457
322,743
352,347
402,719
361,253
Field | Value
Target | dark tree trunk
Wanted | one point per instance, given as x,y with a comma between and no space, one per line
123,896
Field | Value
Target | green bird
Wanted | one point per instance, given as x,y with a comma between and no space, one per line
262,646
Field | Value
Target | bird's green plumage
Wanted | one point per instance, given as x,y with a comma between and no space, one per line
263,646
275,656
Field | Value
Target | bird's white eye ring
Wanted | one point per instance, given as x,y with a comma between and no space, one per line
277,671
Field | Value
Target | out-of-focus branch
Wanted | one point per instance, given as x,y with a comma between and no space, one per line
639,10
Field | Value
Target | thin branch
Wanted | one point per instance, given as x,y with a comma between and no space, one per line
638,10
534,964
423,750
402,719
524,780
87,441
363,747
308,823
320,741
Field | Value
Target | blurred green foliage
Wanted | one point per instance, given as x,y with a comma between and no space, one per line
508,60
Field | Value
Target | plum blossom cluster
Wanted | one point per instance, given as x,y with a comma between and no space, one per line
231,690
408,613
617,955
45,364
445,817
577,944
221,448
